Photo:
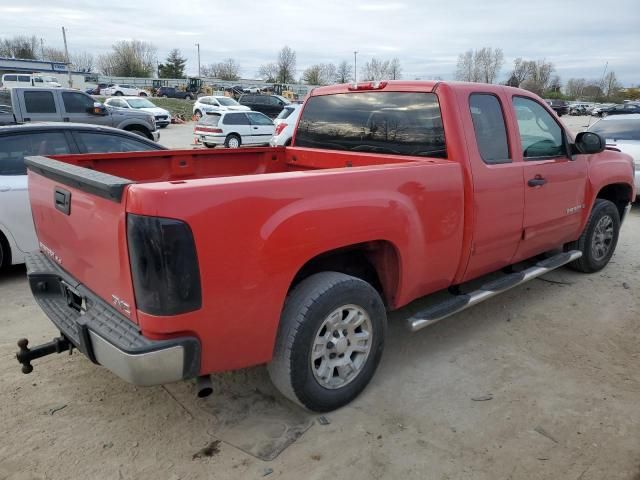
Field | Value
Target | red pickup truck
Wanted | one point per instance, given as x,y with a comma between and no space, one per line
163,266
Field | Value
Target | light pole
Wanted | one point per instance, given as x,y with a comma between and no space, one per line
355,66
198,45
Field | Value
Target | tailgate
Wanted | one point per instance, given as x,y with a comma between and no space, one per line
80,219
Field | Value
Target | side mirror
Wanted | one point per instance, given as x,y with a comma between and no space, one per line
589,143
98,109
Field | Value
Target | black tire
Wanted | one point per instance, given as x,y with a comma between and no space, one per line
288,143
141,132
189,97
209,145
230,138
142,94
118,94
591,261
305,313
5,253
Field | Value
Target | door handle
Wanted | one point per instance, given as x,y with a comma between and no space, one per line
4,188
538,181
65,119
255,128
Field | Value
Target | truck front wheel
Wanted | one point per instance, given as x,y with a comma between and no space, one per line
599,238
330,341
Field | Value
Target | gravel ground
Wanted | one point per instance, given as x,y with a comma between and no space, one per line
541,382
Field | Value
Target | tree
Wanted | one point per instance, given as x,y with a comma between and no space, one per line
132,58
20,47
268,72
575,87
228,69
539,76
375,70
611,86
173,66
53,54
481,65
395,70
344,72
320,74
519,73
82,61
286,65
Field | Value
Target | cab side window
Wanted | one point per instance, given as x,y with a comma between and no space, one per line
489,127
540,135
76,102
39,102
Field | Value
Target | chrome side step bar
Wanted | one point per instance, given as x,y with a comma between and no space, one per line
442,310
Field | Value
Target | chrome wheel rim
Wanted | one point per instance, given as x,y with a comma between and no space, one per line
234,143
341,346
602,238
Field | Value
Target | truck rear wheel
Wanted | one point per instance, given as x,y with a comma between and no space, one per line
330,341
599,238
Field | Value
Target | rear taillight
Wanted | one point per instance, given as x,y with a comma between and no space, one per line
280,127
164,265
207,129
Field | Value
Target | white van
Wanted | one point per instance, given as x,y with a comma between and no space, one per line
11,80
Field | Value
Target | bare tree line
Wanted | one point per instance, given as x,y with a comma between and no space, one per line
31,48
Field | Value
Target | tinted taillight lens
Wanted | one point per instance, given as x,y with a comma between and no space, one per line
280,127
164,265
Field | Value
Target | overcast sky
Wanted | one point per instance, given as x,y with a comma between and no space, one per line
579,37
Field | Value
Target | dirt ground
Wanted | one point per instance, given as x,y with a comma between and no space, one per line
542,382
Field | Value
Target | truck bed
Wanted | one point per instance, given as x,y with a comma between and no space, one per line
180,165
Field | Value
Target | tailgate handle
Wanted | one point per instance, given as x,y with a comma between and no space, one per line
62,200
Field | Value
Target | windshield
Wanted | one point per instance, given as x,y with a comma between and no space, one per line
628,129
140,103
227,102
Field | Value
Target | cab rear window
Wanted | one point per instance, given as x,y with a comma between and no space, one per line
396,123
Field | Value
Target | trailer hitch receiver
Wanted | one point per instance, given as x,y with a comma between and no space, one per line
25,355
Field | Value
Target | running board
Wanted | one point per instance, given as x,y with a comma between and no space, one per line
442,310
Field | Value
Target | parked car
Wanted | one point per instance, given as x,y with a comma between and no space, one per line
25,80
17,236
98,88
285,124
172,92
579,109
559,106
234,129
120,90
216,103
293,256
66,105
270,105
622,132
162,116
625,109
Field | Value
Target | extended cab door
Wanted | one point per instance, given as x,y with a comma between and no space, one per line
497,185
78,108
39,105
555,183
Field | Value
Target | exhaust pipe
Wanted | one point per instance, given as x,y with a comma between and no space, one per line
204,387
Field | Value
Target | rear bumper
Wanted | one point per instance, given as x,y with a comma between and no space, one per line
104,335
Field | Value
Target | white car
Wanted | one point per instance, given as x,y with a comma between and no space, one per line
17,234
216,103
162,116
623,133
120,90
285,125
234,129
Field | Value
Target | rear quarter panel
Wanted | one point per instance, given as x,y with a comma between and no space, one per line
254,233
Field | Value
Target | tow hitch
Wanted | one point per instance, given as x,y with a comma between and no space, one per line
26,355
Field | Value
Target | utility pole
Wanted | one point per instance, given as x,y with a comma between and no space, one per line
198,45
355,66
66,52
42,48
